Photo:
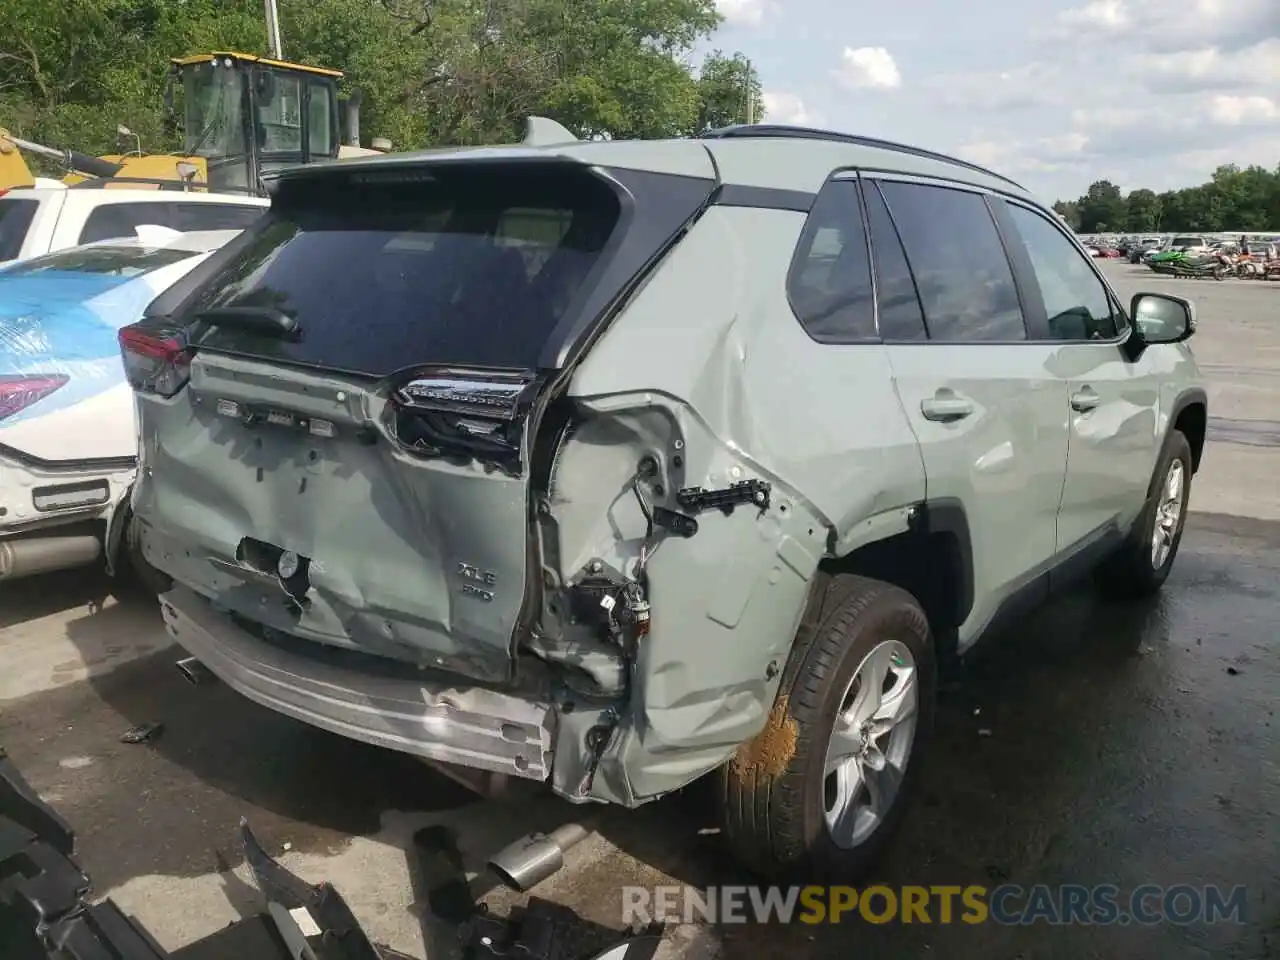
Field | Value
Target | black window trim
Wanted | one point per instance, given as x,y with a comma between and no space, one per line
863,186
1029,314
1124,324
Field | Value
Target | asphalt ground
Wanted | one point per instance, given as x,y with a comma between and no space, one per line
1092,744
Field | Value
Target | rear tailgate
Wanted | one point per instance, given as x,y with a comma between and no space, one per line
348,461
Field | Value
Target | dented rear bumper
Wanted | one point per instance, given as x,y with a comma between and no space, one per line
471,726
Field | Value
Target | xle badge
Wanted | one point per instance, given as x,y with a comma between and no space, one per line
476,582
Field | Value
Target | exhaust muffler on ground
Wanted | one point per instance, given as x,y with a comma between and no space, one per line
532,859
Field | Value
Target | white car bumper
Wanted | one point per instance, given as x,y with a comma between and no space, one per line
54,516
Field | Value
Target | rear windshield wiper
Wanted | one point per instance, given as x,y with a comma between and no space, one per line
265,320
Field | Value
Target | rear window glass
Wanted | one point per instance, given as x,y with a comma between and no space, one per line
111,221
15,218
116,261
1187,242
475,267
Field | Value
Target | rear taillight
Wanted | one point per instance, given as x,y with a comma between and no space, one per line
21,391
479,416
155,361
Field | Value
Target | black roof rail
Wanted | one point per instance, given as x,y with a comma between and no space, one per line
782,131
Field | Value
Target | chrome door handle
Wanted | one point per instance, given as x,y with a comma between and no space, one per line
1084,401
945,409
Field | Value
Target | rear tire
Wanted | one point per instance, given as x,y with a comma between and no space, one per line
1141,566
140,572
823,787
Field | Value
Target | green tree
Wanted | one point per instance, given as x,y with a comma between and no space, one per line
729,92
1102,207
1232,199
1143,211
1069,210
433,72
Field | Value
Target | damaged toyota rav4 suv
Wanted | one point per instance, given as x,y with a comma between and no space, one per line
613,464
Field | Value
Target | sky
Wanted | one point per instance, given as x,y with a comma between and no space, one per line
1053,93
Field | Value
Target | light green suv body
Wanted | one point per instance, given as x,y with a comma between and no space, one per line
791,426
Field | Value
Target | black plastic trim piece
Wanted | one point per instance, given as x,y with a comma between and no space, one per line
780,131
947,515
764,198
1193,396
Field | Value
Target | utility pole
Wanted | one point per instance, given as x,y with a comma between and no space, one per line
273,30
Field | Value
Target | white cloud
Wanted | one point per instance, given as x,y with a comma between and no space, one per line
780,107
1053,154
1193,23
1205,68
1033,85
1133,91
868,68
1103,14
1244,111
749,13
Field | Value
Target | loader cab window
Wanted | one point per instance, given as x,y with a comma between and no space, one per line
278,115
213,109
322,139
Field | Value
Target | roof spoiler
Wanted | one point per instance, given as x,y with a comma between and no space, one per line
543,132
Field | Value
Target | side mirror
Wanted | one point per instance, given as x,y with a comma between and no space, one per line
1161,318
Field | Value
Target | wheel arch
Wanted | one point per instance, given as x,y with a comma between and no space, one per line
932,560
1190,416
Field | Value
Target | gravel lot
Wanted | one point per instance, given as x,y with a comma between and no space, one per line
1119,744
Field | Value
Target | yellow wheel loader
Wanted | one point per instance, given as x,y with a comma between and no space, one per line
242,115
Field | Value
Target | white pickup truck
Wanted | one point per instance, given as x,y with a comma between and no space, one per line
42,219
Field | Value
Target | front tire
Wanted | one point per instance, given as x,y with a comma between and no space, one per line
1142,565
821,790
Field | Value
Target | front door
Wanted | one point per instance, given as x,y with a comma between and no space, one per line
1113,403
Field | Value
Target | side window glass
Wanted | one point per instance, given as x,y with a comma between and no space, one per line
1074,298
320,138
214,216
964,278
901,317
829,283
110,221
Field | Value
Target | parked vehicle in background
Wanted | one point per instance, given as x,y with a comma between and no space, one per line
40,220
1188,244
609,465
68,438
1142,247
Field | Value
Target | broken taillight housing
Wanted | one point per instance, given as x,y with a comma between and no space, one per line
19,391
155,360
478,416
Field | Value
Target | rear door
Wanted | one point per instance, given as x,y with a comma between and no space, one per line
987,411
349,461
